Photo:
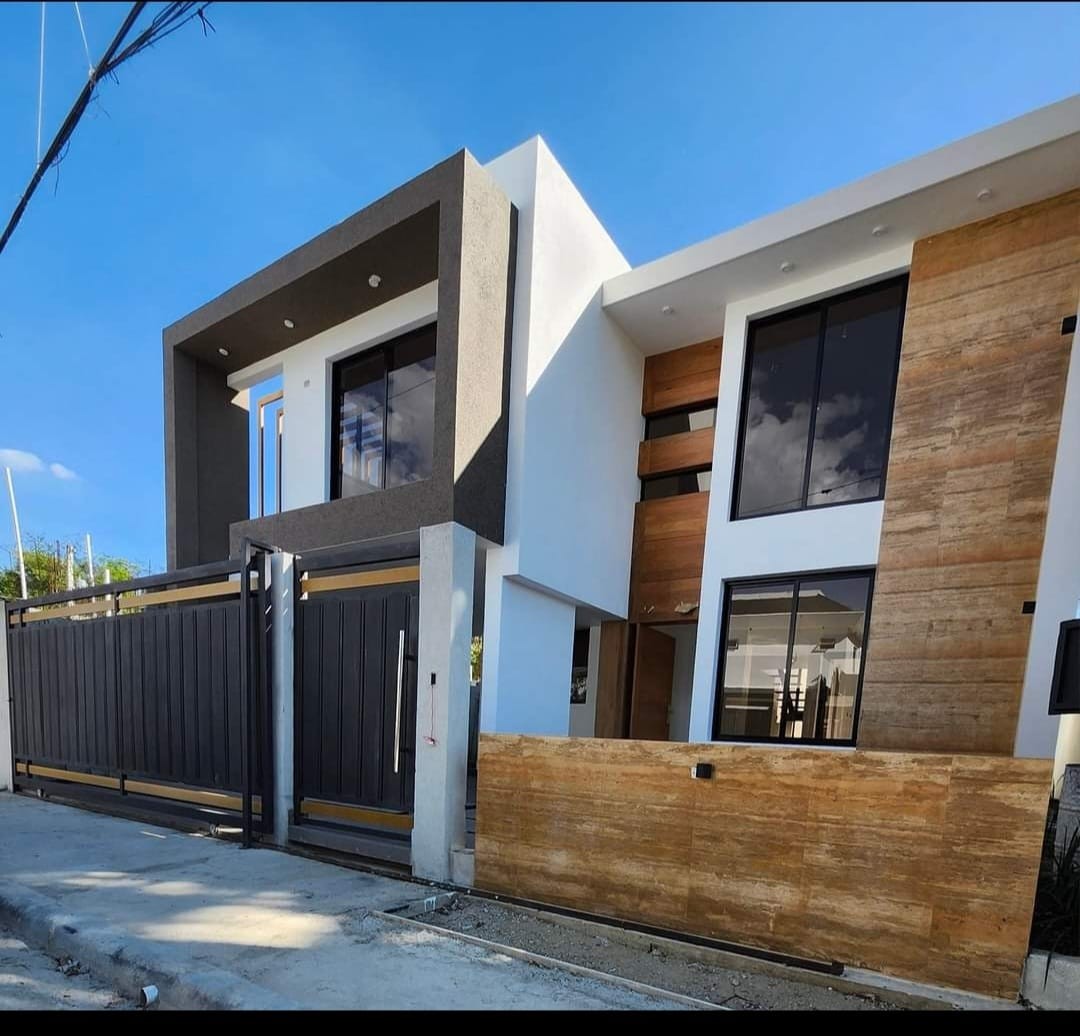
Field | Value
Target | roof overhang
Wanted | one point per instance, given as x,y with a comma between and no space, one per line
1030,158
325,282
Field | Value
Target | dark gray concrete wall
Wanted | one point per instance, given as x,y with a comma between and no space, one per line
206,461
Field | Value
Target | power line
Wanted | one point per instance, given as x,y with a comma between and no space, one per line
41,83
172,17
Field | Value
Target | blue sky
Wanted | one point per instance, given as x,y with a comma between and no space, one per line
213,156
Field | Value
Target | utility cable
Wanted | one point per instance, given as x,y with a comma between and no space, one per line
41,83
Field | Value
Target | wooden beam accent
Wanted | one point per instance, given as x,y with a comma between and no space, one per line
918,865
230,588
196,796
20,768
974,439
353,580
613,680
668,551
56,774
356,814
682,378
63,611
687,451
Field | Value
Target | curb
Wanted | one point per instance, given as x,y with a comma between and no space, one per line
556,965
128,962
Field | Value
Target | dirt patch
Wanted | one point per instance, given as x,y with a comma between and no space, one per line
633,957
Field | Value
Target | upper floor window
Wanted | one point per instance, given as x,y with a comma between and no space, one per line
817,402
384,415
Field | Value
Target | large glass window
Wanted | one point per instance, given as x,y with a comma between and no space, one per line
793,658
384,411
818,401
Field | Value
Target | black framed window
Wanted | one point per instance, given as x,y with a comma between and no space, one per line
792,665
818,393
675,485
384,415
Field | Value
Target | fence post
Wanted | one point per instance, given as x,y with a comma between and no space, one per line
281,689
7,740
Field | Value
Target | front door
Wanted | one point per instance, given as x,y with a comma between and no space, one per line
355,674
654,674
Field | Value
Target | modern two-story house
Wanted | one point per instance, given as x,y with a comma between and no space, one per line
766,544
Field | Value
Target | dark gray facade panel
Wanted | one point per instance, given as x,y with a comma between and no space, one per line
476,242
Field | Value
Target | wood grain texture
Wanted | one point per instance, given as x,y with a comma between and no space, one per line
686,451
612,681
668,550
978,407
917,865
682,378
654,675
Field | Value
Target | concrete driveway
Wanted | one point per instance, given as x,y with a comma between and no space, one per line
215,925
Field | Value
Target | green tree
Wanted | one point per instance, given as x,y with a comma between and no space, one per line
46,569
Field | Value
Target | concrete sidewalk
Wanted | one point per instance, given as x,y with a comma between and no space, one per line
216,926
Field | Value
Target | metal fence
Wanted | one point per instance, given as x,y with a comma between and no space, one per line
155,691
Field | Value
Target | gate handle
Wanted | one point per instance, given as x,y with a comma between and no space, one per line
397,710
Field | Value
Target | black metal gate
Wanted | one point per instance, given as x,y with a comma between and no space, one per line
356,633
153,693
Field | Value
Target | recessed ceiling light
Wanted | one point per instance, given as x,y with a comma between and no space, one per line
288,323
668,311
787,266
223,351
985,194
374,280
880,230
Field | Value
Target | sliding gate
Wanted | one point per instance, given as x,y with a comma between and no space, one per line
149,694
356,629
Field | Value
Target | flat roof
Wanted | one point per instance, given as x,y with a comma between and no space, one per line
1024,160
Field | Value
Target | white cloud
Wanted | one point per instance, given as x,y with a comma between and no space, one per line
25,462
20,460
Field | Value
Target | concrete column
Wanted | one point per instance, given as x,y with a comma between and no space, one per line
7,778
282,605
528,651
447,563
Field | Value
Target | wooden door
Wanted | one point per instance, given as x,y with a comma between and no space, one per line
654,673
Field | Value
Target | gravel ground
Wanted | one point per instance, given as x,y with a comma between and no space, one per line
740,990
34,981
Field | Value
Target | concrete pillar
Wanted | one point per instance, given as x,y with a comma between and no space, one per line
447,562
528,651
282,613
7,777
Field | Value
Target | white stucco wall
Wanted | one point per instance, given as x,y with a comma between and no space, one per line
1058,595
575,424
528,655
306,370
826,539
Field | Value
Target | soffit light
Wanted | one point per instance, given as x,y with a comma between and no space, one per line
787,266
880,230
223,351
984,195
288,323
374,280
668,311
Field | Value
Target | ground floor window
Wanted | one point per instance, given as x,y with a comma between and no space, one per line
793,658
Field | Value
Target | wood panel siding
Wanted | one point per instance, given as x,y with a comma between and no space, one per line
682,378
669,547
613,680
913,864
978,407
686,451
